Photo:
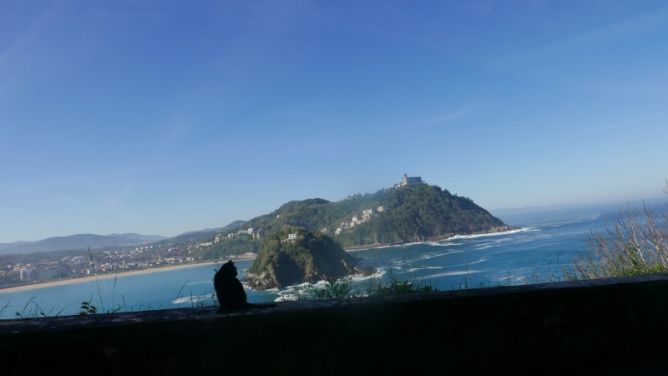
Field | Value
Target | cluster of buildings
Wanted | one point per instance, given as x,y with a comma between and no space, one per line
132,259
80,265
292,237
366,216
247,232
22,271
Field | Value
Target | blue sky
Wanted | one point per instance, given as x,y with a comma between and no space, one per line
161,117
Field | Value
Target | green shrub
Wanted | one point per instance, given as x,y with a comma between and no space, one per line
334,289
87,308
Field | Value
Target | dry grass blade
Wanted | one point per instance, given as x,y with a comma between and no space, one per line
636,244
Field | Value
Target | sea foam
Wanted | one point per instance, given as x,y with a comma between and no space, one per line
194,299
501,233
449,274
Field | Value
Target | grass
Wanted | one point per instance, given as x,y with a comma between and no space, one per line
4,307
636,244
32,310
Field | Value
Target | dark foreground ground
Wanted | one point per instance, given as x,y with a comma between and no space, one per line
614,327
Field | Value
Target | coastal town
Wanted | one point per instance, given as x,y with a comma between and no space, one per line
241,240
47,266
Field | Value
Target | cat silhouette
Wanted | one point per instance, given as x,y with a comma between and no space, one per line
229,290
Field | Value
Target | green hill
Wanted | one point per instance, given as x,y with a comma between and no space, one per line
412,213
395,215
295,255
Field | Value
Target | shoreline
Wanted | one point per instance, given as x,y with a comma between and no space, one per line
71,281
92,278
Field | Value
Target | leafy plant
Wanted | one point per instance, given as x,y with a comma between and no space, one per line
87,308
334,289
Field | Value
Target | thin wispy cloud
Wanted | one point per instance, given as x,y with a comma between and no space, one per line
444,119
627,29
650,118
447,118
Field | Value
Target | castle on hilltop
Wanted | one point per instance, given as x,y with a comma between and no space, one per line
409,180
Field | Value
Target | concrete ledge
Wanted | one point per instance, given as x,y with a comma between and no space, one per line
614,326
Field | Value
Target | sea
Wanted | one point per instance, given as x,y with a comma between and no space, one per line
542,248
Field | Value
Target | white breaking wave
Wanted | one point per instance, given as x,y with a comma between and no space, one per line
380,272
412,270
509,232
286,298
193,299
299,291
305,290
484,246
449,274
204,282
442,243
480,261
467,264
502,240
512,279
430,256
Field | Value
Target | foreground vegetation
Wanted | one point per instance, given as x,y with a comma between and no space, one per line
343,289
636,244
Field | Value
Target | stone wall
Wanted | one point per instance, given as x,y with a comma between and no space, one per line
615,326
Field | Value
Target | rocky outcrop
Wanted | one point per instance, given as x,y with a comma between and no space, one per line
295,255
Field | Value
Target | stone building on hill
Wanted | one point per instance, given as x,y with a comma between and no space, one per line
409,180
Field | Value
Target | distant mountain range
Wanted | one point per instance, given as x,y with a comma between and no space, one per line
93,241
203,234
80,241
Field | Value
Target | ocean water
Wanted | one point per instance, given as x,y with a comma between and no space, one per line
545,246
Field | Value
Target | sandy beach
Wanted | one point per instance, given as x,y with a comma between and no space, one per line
72,281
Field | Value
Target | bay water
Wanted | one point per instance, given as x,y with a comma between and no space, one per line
541,249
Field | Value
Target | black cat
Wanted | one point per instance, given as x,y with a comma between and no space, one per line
229,291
